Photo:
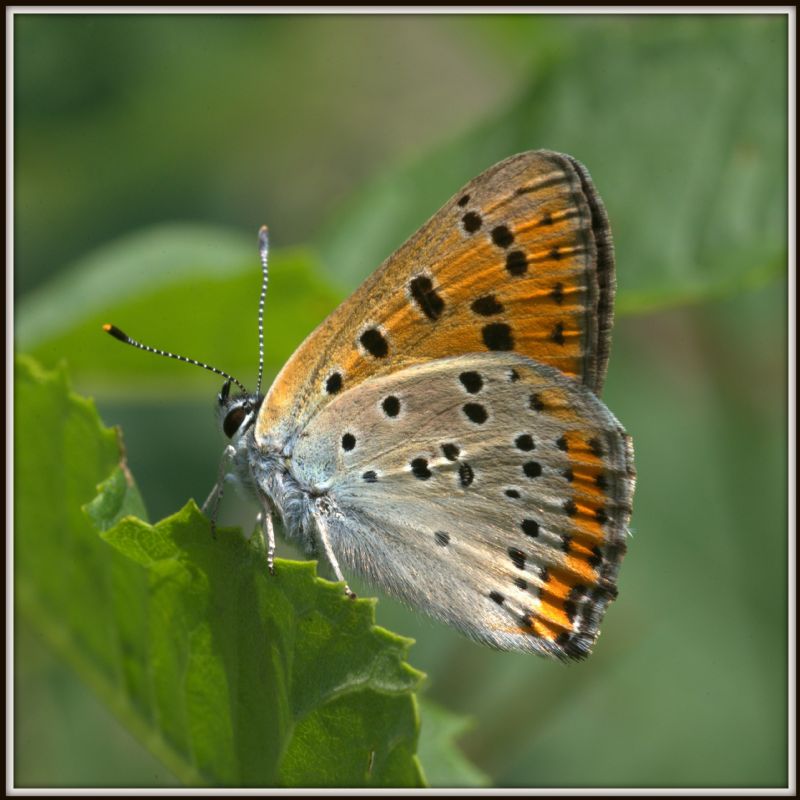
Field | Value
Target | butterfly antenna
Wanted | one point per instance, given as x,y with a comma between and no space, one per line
114,331
263,252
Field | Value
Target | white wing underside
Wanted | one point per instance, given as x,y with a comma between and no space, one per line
448,481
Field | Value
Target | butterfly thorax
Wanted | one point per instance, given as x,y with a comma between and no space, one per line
267,471
263,468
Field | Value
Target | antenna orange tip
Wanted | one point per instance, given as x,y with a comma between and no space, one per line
115,332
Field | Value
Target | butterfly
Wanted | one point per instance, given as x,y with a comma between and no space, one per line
441,432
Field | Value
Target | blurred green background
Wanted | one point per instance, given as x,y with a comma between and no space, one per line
148,150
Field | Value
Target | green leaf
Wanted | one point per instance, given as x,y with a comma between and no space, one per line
189,289
229,675
695,188
445,765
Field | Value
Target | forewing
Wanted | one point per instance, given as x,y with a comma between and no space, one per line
487,490
520,260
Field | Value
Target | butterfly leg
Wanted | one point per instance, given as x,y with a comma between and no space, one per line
268,532
323,512
213,500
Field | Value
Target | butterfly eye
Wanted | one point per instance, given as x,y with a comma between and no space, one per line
233,420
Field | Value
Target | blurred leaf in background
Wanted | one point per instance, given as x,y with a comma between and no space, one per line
344,133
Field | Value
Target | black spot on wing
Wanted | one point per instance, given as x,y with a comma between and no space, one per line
502,236
524,442
419,466
450,451
498,336
374,342
471,221
390,406
471,381
428,300
532,469
334,383
487,306
516,263
475,412
517,557
530,527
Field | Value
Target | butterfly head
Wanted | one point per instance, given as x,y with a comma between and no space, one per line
237,413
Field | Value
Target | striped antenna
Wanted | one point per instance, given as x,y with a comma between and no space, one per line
263,252
114,331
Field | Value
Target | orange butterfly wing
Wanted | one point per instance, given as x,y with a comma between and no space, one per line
519,260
